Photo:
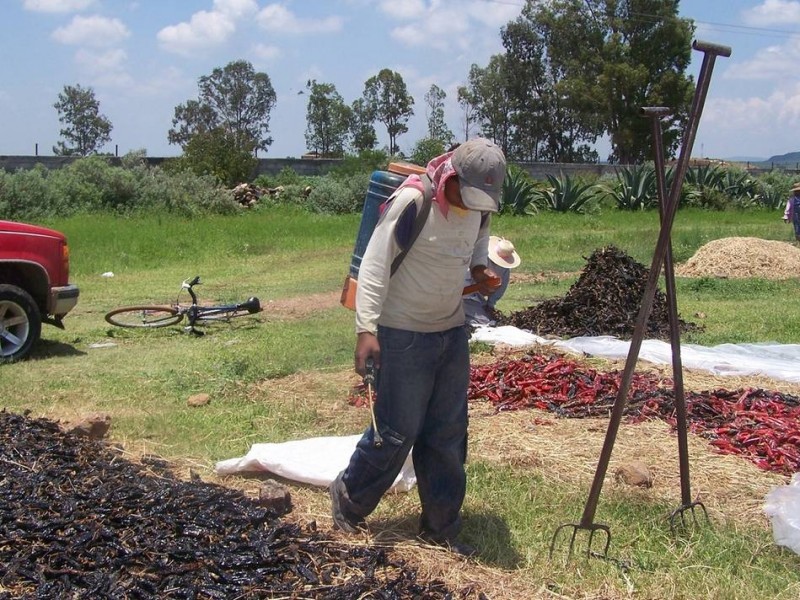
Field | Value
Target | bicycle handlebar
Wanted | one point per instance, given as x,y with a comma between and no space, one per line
187,284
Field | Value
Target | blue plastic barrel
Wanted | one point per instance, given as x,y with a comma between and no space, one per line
381,185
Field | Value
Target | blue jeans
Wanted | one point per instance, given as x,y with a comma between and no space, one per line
422,403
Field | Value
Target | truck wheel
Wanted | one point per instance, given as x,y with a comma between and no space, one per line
20,323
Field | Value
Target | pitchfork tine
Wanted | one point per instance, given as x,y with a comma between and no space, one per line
592,529
681,512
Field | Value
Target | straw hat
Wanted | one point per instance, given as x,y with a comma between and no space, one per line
796,187
502,252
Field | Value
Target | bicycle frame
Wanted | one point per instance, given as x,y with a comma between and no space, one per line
198,314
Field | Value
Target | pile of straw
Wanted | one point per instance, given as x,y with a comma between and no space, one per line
741,257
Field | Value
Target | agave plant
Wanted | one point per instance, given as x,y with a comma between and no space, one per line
634,188
742,188
566,194
518,193
706,176
771,196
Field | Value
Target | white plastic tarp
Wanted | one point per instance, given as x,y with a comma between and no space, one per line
778,361
782,505
316,461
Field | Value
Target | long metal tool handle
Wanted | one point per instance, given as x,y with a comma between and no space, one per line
711,51
655,114
369,381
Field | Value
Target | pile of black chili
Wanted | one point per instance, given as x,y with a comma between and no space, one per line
605,300
79,521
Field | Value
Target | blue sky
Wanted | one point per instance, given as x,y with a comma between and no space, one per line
143,58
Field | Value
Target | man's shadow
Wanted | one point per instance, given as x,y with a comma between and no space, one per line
487,532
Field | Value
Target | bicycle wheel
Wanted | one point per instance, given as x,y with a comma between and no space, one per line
144,316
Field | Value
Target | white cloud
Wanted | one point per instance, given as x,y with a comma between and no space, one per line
92,31
277,18
448,25
404,9
266,52
772,63
203,29
440,29
206,28
760,126
57,6
236,9
105,68
495,16
773,12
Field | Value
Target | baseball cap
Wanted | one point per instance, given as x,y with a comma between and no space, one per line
481,169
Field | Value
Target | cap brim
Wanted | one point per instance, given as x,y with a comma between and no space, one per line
478,199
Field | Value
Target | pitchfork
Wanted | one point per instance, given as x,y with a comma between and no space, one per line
710,51
655,113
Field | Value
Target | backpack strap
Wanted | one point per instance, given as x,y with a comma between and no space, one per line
419,222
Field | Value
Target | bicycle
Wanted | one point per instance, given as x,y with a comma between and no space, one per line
153,316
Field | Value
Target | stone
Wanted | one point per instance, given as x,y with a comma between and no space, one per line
274,496
634,473
95,426
198,400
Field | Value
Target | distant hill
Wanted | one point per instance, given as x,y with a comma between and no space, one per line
790,158
788,161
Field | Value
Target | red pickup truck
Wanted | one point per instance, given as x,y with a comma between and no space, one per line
34,285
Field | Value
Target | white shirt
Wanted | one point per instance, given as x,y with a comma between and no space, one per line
425,293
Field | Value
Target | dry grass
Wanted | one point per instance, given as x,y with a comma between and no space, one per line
560,450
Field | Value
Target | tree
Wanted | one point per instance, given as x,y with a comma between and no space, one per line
469,110
218,152
362,132
388,99
86,129
488,88
551,119
328,120
609,58
426,149
235,98
437,128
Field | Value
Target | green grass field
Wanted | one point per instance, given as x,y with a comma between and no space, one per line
287,373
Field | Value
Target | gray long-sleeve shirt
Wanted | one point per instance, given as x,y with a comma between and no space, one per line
425,292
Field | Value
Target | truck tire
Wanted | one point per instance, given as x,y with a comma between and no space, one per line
20,323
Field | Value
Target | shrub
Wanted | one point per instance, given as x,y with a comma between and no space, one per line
26,194
518,192
334,196
426,149
566,194
186,194
634,188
